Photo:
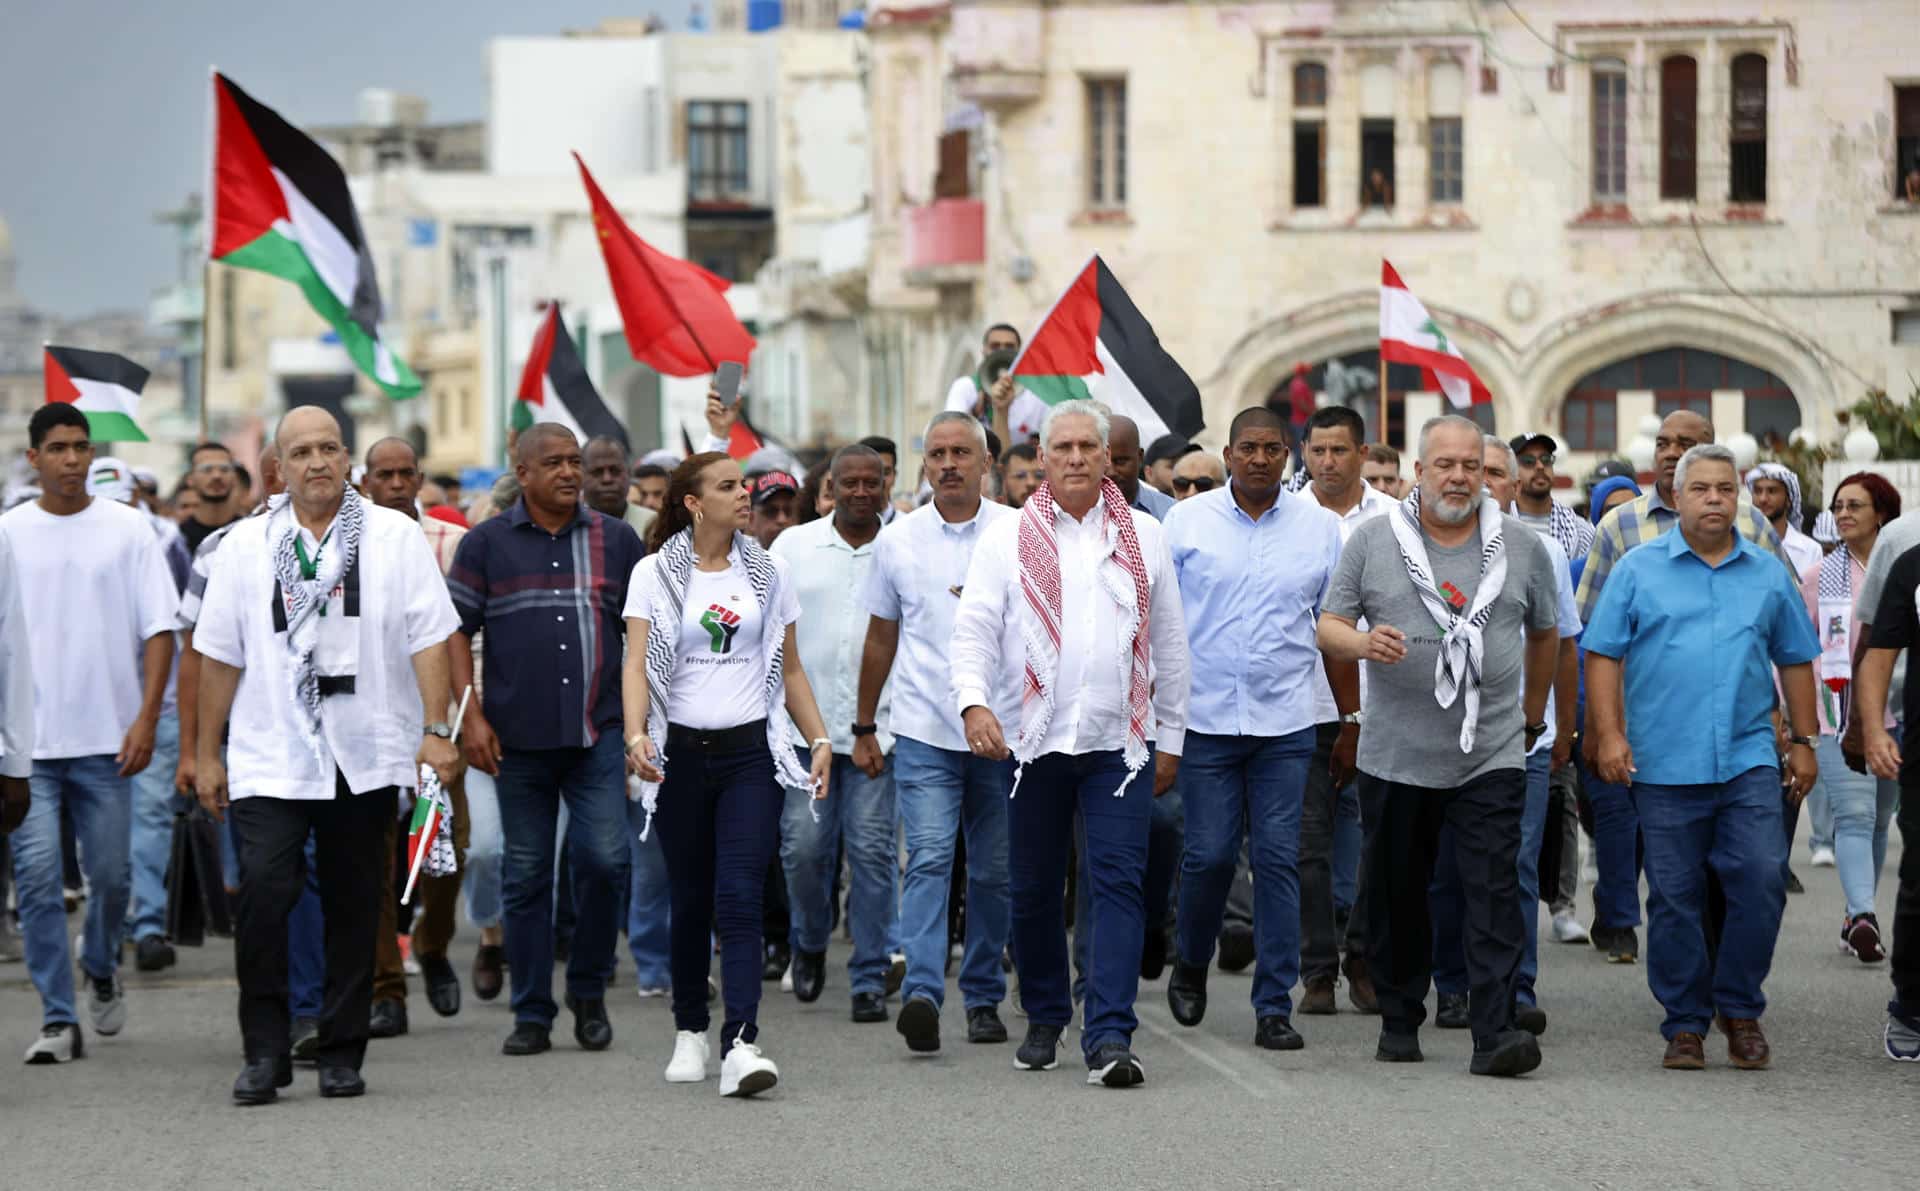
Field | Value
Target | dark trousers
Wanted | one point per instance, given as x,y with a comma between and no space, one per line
1319,947
1906,905
349,846
719,822
1403,826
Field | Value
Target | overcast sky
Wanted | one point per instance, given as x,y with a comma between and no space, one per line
103,107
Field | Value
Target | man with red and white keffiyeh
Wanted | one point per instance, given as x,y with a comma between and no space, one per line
1078,595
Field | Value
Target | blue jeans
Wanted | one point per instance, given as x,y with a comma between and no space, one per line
1449,899
719,823
1820,815
1862,808
1039,838
1245,788
485,849
649,905
943,792
152,842
859,813
1166,840
306,947
531,786
1348,839
1733,831
1616,852
101,802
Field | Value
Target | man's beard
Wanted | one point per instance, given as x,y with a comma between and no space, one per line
1438,509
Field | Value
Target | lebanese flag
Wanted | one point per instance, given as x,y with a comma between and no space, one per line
555,387
677,318
281,206
1408,335
1095,343
106,387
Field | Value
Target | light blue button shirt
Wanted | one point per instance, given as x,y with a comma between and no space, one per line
1698,644
1153,502
1252,592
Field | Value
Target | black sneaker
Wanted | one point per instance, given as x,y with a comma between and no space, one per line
774,964
919,1024
1624,946
1274,1032
1040,1052
984,1025
1398,1047
1451,1011
528,1038
591,1029
388,1019
153,953
1507,1054
305,1044
869,1007
1114,1066
1530,1018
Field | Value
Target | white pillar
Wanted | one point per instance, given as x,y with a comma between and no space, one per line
1420,408
1630,405
1729,413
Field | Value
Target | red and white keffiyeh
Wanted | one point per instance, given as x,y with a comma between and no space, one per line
1124,575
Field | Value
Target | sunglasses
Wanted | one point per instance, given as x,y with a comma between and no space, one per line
1198,484
1545,460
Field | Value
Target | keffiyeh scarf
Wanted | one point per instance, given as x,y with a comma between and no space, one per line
663,644
1123,573
1457,669
1785,475
1836,634
321,633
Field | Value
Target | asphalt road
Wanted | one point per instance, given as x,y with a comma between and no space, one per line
150,1108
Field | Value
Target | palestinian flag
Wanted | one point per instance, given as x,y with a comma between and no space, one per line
429,833
1095,343
555,387
281,206
106,387
1408,335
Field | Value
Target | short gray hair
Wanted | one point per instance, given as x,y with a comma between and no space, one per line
950,417
1706,452
1446,422
1495,442
1078,408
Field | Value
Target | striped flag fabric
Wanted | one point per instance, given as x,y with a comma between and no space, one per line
429,833
1408,335
555,387
1096,343
104,386
281,206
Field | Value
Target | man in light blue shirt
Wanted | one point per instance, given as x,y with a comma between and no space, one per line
1253,566
1697,621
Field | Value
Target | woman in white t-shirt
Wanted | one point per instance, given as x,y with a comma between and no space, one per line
705,736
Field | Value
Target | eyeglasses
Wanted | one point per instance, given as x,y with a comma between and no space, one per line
1545,460
215,469
1851,506
1197,483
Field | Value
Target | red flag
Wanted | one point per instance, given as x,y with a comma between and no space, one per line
676,314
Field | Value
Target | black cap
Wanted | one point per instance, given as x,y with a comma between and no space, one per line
769,484
1522,441
1608,468
1169,447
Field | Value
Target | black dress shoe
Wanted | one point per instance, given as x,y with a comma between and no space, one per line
489,977
1274,1032
809,975
1153,956
153,953
778,956
1510,1053
984,1025
868,1007
388,1019
919,1024
337,1083
260,1079
528,1038
443,984
1398,1047
306,1039
591,1029
1452,1012
1530,1018
1236,948
1187,994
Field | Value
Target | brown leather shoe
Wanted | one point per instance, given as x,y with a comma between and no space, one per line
1360,984
1317,999
1686,1052
1747,1047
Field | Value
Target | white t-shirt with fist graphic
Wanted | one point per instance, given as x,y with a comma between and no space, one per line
720,667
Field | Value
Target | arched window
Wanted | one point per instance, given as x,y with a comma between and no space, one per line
1310,85
1678,117
1679,378
1747,131
1610,131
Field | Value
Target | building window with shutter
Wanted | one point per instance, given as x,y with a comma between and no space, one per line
1107,144
1309,135
1610,131
1747,135
956,159
1906,143
1679,108
1446,99
716,150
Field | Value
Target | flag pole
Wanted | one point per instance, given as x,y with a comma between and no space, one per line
413,874
1383,400
206,340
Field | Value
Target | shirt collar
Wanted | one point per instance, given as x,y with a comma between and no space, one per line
1654,502
1677,545
960,527
518,515
1232,504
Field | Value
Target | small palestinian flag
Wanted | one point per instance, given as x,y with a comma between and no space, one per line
1095,343
281,206
555,387
430,833
106,387
1408,335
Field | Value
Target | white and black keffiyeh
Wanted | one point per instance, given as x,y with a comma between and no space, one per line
1835,627
675,565
323,649
1570,529
1457,669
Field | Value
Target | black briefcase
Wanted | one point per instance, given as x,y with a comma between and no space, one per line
196,890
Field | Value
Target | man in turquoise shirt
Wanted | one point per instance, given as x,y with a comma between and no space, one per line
1697,621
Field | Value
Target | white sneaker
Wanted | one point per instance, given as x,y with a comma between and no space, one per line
107,1004
786,978
1822,858
649,991
56,1044
746,1072
690,1054
1567,928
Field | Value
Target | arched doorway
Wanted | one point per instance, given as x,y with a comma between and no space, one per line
1353,379
1600,409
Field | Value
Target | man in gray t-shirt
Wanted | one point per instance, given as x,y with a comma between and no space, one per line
1423,765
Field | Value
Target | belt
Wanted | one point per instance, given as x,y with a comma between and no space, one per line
717,740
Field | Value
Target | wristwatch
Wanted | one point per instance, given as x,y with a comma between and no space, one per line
1536,730
440,730
1356,718
1803,741
860,730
